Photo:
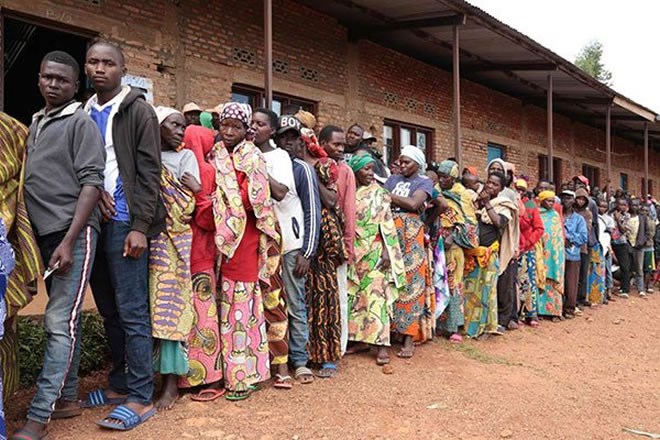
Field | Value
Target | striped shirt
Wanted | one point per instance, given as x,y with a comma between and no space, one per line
308,190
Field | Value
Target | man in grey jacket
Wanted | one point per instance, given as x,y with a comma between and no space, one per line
63,181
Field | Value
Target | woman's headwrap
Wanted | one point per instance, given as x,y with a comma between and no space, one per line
206,119
360,161
306,118
449,168
312,144
417,155
521,184
237,110
163,112
545,195
496,160
582,179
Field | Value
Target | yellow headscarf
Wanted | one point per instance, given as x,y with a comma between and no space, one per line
545,195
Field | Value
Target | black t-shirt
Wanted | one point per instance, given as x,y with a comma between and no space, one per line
489,234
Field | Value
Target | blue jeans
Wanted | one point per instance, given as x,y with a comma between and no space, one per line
3,315
120,287
59,374
295,300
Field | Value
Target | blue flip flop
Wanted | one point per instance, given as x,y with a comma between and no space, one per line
98,398
129,419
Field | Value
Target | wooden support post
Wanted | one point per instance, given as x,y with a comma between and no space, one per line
608,148
646,161
551,146
456,77
268,68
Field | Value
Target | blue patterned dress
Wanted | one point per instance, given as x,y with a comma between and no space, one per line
6,266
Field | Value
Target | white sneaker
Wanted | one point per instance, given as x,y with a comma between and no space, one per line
649,290
642,295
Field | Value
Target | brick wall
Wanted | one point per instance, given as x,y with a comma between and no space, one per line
195,50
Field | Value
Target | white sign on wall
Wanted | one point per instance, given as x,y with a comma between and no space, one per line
142,83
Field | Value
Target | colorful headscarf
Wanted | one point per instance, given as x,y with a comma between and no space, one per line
471,169
417,155
521,184
360,161
582,179
312,144
206,119
448,167
545,195
237,110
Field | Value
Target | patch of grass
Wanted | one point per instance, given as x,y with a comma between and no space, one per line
32,343
472,352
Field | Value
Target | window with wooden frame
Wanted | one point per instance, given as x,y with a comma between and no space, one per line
544,172
397,135
592,173
256,97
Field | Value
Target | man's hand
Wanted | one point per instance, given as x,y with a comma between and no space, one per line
135,244
189,181
64,255
302,267
107,206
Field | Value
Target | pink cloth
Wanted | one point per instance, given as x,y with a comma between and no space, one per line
346,201
205,364
243,335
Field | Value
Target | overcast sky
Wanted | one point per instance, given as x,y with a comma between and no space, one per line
626,29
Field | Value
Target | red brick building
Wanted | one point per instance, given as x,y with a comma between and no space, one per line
207,51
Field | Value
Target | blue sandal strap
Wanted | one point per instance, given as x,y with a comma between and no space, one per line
129,419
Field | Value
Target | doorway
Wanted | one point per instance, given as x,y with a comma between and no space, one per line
25,42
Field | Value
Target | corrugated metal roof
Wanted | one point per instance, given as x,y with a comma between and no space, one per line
486,41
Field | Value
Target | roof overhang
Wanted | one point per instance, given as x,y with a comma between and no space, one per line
492,54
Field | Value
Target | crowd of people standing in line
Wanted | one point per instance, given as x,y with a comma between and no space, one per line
226,247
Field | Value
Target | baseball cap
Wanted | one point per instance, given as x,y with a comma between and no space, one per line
286,123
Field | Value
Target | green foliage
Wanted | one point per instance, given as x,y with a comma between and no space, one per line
590,60
32,343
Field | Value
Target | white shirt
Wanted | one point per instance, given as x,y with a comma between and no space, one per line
289,210
605,224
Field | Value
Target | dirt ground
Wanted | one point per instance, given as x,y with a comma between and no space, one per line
583,379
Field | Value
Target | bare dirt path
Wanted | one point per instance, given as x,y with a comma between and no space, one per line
581,379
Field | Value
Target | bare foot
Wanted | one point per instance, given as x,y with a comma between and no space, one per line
169,394
383,356
283,369
33,428
408,349
359,347
114,395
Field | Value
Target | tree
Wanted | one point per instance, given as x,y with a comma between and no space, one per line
590,60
